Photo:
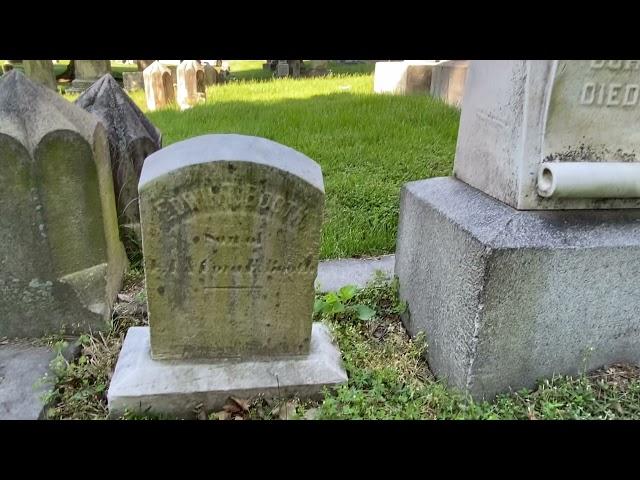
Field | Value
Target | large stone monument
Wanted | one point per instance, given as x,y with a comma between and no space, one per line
448,80
191,86
405,77
87,72
231,232
61,261
524,265
41,71
132,138
158,86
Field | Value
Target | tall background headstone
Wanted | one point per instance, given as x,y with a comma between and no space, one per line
132,138
191,86
87,72
158,86
41,71
61,261
448,81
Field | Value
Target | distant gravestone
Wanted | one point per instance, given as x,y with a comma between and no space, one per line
406,77
231,231
87,72
61,262
210,74
133,81
132,138
282,69
448,81
158,86
191,84
41,71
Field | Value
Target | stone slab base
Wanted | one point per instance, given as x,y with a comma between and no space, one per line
508,297
79,86
335,274
22,378
176,388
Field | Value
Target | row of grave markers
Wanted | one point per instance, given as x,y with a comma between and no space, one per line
230,229
521,266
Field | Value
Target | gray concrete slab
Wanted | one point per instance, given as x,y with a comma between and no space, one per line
508,297
23,366
335,274
177,387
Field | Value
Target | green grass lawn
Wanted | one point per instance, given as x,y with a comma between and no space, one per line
367,145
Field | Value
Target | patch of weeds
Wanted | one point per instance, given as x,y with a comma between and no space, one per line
388,376
81,386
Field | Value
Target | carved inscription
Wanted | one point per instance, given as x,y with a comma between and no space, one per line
611,94
233,198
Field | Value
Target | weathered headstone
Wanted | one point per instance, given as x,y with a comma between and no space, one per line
401,78
158,86
61,261
534,271
41,71
210,74
448,80
282,68
231,232
87,72
133,81
318,68
143,64
191,86
132,138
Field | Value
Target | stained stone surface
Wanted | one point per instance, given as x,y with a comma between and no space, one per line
448,80
141,384
132,138
191,84
61,261
519,114
507,297
404,77
231,231
41,71
158,86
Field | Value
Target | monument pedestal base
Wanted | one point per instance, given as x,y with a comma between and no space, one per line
140,384
507,297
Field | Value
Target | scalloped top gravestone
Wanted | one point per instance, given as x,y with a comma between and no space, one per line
231,231
61,261
132,138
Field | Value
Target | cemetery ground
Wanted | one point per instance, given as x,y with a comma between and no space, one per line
368,146
388,377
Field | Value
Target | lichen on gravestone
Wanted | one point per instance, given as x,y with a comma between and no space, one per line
231,234
61,261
